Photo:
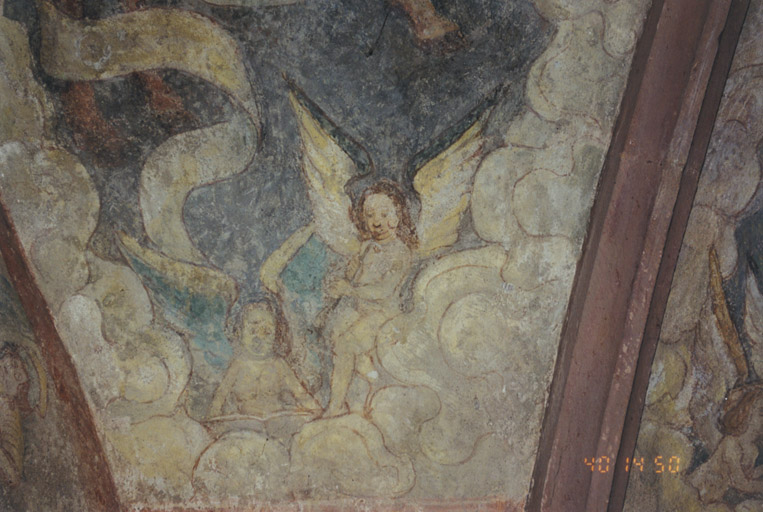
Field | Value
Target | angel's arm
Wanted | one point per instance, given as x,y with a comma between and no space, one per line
352,266
223,390
386,284
304,399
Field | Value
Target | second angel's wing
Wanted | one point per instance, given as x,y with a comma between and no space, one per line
194,299
443,175
329,161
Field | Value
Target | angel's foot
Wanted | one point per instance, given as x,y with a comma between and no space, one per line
432,31
333,411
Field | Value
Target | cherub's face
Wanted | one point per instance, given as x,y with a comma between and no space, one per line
258,330
380,216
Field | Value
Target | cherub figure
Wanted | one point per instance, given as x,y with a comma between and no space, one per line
258,382
368,294
379,237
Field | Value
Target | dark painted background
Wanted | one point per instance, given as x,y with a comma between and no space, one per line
393,102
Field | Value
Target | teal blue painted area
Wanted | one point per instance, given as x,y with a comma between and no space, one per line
305,272
303,277
202,316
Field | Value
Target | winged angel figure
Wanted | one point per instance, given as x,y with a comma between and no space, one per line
334,283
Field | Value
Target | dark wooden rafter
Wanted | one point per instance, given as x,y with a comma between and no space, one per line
689,181
637,223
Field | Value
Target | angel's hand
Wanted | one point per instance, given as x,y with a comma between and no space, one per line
338,288
280,287
352,266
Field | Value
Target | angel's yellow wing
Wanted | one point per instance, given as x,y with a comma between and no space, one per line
444,186
327,168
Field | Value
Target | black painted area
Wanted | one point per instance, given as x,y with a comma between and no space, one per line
393,102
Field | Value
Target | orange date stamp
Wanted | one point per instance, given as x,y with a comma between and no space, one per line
667,465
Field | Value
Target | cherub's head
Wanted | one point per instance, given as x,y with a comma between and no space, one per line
382,212
14,381
256,328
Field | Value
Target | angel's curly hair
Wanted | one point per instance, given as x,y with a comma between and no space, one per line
281,345
406,230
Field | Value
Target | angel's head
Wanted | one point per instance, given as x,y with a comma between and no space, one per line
256,329
381,213
14,379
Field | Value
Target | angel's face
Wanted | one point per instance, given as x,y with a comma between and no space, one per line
380,216
258,330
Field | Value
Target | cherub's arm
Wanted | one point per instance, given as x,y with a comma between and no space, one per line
386,284
304,399
223,390
353,265
337,284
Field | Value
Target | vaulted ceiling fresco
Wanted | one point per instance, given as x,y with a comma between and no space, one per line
310,250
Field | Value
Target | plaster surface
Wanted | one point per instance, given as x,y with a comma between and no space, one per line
190,186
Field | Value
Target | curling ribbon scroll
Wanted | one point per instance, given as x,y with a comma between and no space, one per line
164,39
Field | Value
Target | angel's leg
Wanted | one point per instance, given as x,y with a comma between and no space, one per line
341,377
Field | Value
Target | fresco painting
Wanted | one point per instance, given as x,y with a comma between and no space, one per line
21,368
32,444
704,403
307,250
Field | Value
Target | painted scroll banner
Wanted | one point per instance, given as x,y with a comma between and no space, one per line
157,39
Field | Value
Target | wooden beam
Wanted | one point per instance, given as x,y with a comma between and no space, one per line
684,202
612,297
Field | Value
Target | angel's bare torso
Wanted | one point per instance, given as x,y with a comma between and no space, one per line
261,387
375,275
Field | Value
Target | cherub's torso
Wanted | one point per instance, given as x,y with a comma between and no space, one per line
259,388
377,259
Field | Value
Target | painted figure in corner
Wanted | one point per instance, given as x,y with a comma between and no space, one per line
20,365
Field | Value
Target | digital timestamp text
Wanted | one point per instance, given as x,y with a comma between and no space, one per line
660,464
